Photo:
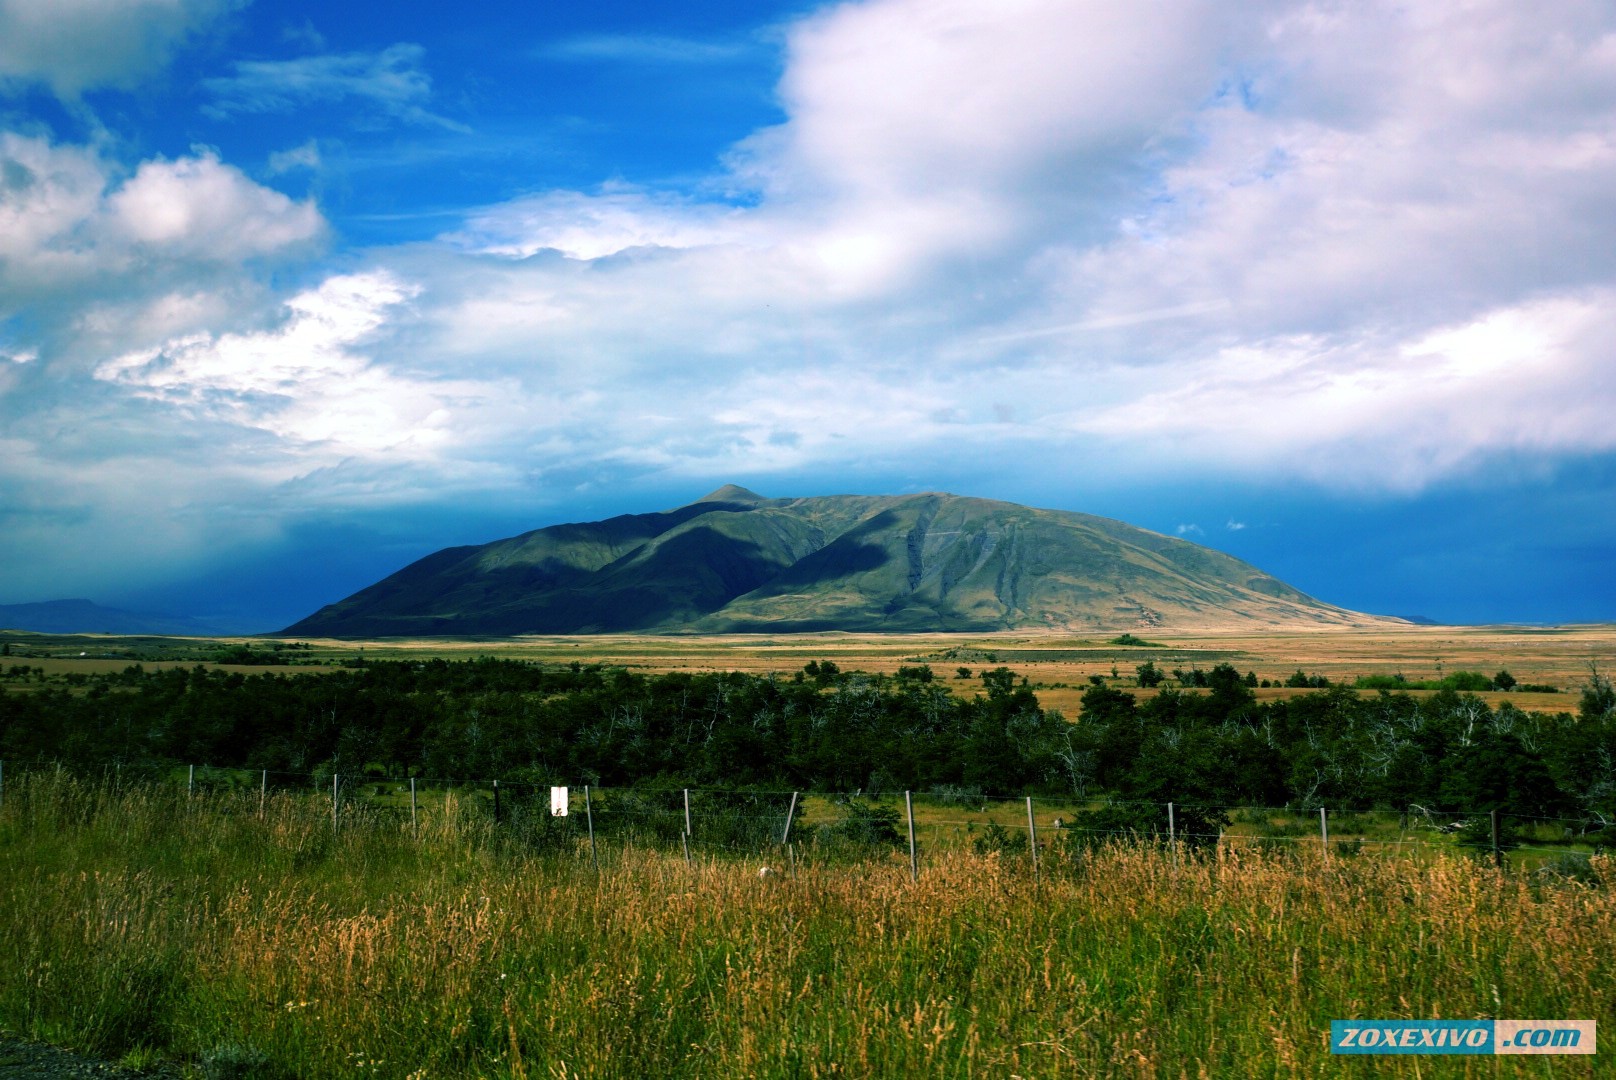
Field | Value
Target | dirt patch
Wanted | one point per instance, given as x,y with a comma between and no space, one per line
35,1061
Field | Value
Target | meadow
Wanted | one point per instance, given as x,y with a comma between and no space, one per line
144,922
145,925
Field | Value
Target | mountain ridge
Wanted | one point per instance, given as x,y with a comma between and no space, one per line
734,561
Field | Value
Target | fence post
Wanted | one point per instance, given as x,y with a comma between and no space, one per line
190,781
1324,832
1032,836
496,802
263,792
909,809
333,802
1172,833
1498,855
589,819
684,837
415,830
785,834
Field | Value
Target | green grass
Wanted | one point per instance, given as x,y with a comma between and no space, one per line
139,924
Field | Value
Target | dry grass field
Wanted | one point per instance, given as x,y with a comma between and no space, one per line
1057,665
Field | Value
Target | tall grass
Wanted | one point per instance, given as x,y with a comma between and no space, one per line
134,920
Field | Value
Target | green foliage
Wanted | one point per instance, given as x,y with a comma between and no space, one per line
1504,681
1149,674
998,839
1302,679
1196,828
864,824
1129,639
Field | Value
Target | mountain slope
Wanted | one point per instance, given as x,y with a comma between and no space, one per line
86,617
737,562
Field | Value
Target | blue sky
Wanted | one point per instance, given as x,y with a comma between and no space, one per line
291,295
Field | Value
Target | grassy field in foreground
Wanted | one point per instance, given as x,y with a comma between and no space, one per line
142,925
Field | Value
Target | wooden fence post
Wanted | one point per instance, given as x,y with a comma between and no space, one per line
333,802
1324,832
1498,854
415,829
263,792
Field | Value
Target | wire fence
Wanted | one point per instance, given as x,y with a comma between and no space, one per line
782,826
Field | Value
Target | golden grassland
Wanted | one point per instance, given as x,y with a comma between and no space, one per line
142,924
1058,665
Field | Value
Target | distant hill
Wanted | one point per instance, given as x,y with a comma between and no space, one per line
735,561
85,617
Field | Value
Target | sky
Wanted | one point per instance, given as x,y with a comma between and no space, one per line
292,295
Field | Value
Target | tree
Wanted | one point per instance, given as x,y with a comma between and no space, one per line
1504,681
1149,674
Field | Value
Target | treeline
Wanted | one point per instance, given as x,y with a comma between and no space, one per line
516,721
830,730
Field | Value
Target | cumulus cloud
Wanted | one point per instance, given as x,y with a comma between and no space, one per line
1359,244
391,82
75,237
1362,244
309,381
75,45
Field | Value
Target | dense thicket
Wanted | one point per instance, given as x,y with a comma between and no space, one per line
835,731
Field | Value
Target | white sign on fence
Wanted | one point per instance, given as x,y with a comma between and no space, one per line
558,802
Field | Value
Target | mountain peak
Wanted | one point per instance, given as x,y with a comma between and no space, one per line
854,563
732,493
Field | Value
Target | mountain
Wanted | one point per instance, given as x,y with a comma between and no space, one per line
85,617
736,562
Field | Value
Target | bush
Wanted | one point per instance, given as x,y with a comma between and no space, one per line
996,838
1196,827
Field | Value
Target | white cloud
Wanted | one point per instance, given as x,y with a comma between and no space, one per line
199,208
1364,244
75,45
306,156
1361,244
644,49
91,258
310,380
583,226
391,82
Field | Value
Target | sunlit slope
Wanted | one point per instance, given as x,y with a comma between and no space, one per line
736,562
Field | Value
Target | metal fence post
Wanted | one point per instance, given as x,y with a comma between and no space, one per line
685,836
1498,854
1172,832
589,819
785,834
1032,836
496,802
190,781
909,809
1324,832
263,792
